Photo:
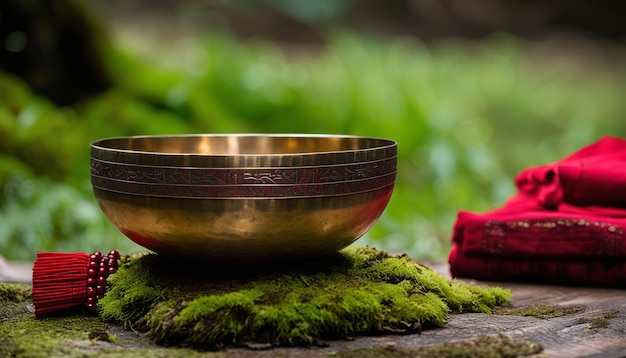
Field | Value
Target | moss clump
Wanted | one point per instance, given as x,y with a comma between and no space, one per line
12,299
538,311
598,322
358,291
15,292
500,346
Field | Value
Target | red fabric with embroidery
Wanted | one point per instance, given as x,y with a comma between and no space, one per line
566,224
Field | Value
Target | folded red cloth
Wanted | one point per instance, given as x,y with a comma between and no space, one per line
594,175
565,224
596,272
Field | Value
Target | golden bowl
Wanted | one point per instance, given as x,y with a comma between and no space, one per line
243,198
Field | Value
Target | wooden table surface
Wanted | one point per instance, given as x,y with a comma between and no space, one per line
571,335
565,336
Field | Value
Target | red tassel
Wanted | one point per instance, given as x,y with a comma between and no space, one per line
65,280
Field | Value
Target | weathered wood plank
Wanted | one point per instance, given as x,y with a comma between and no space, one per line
15,271
567,336
597,329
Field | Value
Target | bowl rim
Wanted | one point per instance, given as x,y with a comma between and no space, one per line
385,144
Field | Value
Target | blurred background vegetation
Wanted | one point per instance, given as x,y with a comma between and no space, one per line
471,93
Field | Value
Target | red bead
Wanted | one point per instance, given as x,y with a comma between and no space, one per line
91,273
114,254
93,264
101,290
91,292
90,306
112,262
91,281
112,270
103,271
92,300
98,255
102,281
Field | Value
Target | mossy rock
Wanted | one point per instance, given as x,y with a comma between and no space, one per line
358,291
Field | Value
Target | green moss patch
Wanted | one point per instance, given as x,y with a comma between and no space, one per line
500,346
12,299
538,311
14,292
599,321
358,291
68,334
24,335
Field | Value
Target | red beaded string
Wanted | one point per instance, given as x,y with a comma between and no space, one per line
99,269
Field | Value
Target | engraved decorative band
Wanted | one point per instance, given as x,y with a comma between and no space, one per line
245,191
243,182
229,176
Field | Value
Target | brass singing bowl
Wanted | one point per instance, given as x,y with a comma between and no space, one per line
243,198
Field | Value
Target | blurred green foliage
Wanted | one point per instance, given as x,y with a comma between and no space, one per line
467,117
